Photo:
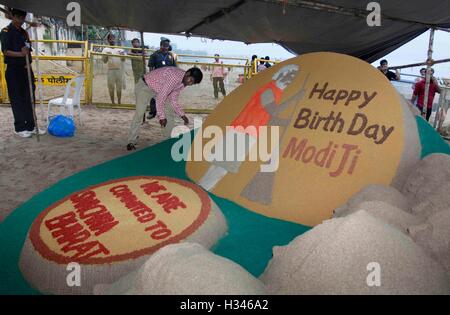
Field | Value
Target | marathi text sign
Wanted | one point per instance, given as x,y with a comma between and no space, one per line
54,79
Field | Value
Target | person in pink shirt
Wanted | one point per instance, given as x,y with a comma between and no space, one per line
218,75
163,84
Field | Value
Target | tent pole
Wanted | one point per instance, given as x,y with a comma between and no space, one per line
419,64
428,76
143,54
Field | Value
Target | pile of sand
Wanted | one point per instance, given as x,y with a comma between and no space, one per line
387,213
341,256
427,178
403,235
186,269
438,201
434,237
383,193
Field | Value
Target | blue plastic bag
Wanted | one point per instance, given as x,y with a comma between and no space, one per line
62,126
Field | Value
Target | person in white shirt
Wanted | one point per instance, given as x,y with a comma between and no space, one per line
115,69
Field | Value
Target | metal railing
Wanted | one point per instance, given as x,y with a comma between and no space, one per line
57,58
92,51
95,52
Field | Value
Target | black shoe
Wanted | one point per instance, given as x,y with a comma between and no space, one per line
131,147
151,116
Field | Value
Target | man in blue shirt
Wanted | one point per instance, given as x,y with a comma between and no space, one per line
163,57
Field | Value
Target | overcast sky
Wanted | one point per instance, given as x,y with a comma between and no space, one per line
228,48
412,52
416,51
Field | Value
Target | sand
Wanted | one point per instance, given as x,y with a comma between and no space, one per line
434,237
186,269
387,213
338,257
28,167
427,178
387,194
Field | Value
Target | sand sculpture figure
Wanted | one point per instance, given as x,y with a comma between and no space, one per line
260,188
263,109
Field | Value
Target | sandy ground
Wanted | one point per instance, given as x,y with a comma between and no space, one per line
28,167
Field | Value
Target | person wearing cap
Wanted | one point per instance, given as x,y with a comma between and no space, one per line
16,45
218,74
165,84
162,57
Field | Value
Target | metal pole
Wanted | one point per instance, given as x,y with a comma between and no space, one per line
440,110
36,49
33,103
143,54
428,76
411,65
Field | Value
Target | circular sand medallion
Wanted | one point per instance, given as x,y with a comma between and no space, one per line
299,139
111,229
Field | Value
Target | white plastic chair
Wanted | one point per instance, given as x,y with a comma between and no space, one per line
67,103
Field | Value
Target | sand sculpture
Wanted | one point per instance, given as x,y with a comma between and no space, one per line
349,148
113,228
337,117
186,269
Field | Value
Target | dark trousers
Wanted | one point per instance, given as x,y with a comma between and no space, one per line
19,95
429,110
218,83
